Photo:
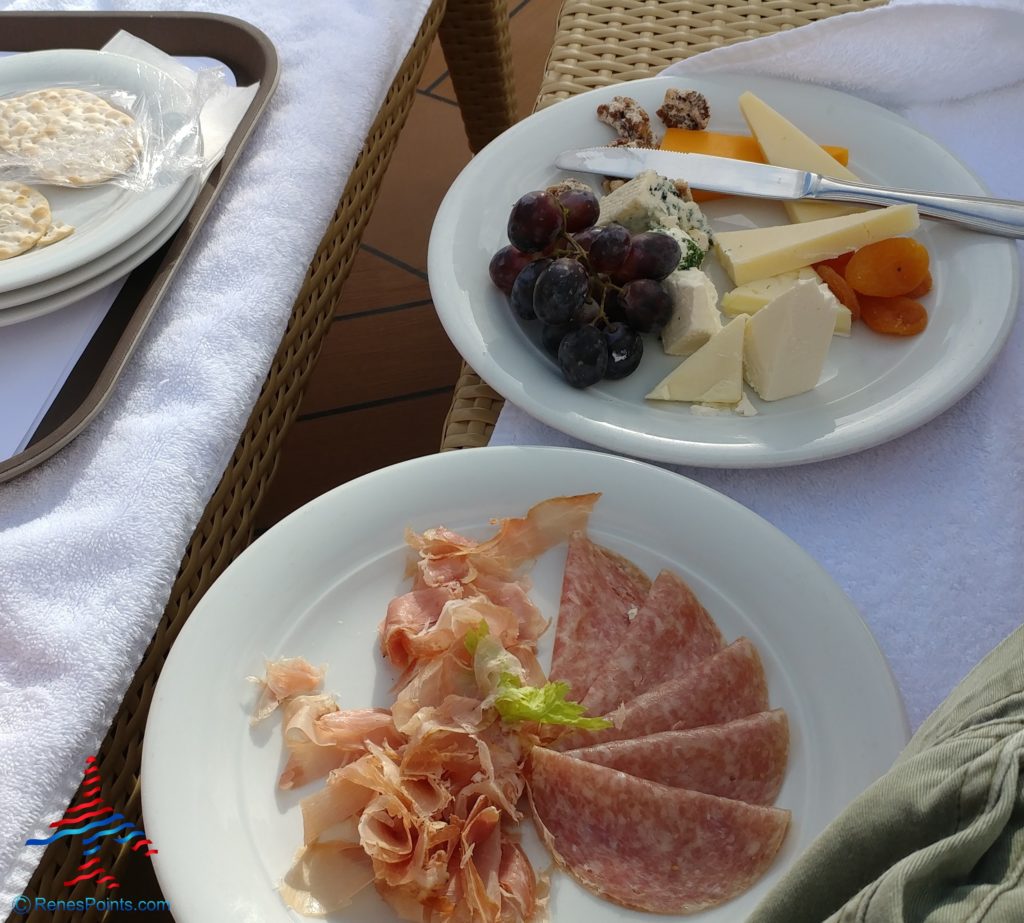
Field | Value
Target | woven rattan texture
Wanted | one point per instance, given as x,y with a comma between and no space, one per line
603,42
227,524
478,50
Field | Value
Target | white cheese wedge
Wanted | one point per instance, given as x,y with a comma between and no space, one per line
712,374
694,312
746,299
760,252
787,341
785,145
744,409
750,298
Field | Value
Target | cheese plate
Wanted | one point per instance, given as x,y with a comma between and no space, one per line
873,388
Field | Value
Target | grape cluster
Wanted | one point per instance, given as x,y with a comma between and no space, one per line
595,290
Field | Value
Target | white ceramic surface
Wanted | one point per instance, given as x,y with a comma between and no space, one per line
106,215
154,237
318,584
119,256
873,388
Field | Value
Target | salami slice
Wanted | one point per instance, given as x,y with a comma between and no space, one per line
601,591
744,759
647,846
724,686
670,633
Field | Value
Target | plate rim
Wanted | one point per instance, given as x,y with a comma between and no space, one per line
158,199
476,353
159,778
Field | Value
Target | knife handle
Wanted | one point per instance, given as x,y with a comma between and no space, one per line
994,216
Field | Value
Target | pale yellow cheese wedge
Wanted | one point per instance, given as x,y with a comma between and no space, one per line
760,252
750,298
714,373
785,145
746,299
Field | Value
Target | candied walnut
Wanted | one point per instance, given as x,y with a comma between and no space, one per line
685,109
629,120
683,188
568,185
608,184
626,142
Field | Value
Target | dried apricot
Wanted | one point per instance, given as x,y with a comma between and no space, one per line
902,317
837,263
888,268
923,289
840,288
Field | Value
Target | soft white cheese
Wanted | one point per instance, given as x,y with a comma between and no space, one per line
694,312
844,319
787,341
646,201
712,374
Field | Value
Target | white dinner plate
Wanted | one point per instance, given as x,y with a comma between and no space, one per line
155,237
873,388
120,255
106,215
318,584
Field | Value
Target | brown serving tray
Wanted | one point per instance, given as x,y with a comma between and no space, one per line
251,57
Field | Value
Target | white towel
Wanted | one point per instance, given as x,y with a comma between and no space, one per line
926,533
90,542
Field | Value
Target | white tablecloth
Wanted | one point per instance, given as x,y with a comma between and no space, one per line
90,542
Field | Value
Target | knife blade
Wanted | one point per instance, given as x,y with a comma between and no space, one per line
1004,217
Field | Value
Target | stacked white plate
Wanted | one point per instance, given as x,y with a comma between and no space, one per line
116,228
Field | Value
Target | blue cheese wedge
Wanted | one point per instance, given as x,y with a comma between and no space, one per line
694,312
786,343
651,201
713,374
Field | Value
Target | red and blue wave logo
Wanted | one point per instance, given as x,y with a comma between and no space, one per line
94,820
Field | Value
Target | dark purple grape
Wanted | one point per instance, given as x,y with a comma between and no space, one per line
651,256
523,288
587,237
505,265
613,304
561,291
589,313
583,356
646,305
610,248
625,350
536,222
551,336
581,207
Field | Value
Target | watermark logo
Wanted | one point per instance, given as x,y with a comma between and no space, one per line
94,820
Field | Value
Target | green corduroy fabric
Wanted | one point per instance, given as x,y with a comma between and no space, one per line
940,837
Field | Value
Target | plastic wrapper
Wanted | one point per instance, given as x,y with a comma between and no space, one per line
138,136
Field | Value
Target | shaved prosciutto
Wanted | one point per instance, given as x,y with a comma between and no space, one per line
284,678
422,799
320,738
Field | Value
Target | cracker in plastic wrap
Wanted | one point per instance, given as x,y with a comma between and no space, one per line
74,136
24,218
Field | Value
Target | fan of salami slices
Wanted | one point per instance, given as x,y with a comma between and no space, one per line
649,756
667,810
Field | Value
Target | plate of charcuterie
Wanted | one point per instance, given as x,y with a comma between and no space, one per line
510,683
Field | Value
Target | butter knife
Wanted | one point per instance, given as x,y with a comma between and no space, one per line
1004,217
